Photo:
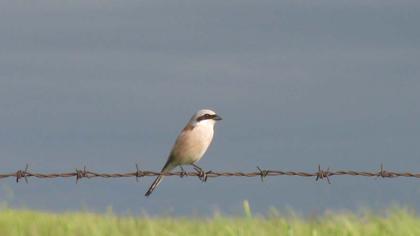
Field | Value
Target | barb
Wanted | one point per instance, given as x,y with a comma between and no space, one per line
22,174
320,174
323,174
263,173
81,174
139,173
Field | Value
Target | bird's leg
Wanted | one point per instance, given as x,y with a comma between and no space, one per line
201,174
197,168
183,172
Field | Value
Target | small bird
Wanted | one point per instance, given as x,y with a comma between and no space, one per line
191,144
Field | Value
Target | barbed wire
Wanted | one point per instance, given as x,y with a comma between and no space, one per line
319,174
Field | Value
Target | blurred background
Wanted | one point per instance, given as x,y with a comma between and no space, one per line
108,84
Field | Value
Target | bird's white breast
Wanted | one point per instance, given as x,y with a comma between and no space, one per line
192,143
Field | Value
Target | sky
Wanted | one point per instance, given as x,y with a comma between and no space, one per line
108,84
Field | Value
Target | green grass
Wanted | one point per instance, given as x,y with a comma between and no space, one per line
25,222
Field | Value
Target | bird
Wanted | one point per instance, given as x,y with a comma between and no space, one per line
190,145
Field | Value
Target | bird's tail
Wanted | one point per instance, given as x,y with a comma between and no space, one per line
154,185
168,166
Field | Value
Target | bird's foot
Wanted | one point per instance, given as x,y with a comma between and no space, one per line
183,172
202,175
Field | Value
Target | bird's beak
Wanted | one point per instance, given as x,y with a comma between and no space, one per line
217,117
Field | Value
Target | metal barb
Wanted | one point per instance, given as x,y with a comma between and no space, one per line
382,173
263,173
138,173
81,174
22,174
322,174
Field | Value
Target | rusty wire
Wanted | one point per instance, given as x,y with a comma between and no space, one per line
319,174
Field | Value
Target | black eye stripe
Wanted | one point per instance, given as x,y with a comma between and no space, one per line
205,117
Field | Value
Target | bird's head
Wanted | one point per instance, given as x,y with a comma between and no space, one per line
205,117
